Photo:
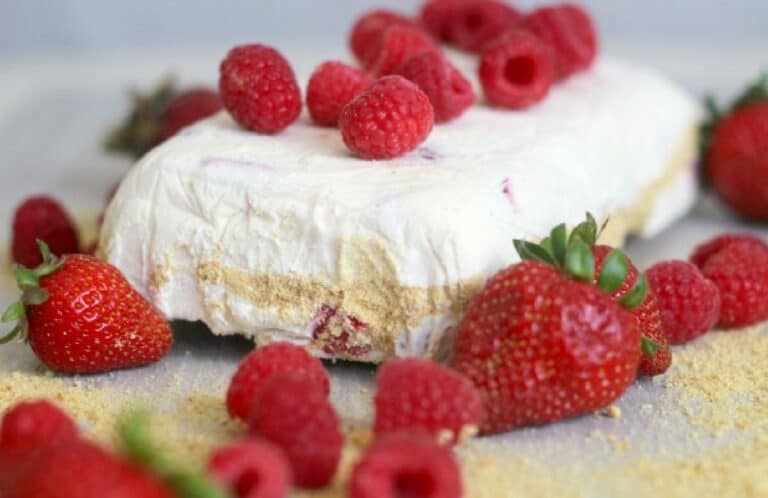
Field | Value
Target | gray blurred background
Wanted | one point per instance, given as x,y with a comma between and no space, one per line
45,27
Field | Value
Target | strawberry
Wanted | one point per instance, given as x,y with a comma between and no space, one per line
736,152
542,342
83,470
80,315
657,356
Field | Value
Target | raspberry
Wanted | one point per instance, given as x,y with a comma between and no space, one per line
252,469
436,16
740,272
570,31
448,90
647,317
259,89
293,414
400,465
388,119
420,394
331,87
475,24
186,109
368,29
690,304
31,425
704,251
262,364
43,218
395,45
516,70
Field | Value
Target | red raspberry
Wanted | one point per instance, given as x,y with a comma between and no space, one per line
186,109
404,464
388,119
259,89
331,87
570,31
740,272
436,16
647,317
448,90
262,364
690,304
420,394
43,218
293,414
475,24
517,70
368,29
395,45
252,469
32,424
704,251
737,160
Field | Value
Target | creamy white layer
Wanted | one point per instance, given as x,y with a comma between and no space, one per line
224,226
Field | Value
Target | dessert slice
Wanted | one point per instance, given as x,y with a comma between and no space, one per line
289,237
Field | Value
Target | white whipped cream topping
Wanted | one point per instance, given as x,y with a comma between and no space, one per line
446,212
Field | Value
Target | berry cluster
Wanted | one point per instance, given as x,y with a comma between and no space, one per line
406,84
294,436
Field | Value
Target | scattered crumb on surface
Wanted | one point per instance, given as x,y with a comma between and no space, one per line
719,385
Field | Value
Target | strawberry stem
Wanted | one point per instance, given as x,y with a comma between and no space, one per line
135,437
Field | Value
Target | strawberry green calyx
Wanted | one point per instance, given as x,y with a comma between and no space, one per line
32,294
139,132
134,431
572,254
649,346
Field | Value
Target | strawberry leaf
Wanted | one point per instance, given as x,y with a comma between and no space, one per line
579,262
530,251
13,334
14,313
135,436
614,272
26,277
649,346
754,93
559,238
34,296
636,295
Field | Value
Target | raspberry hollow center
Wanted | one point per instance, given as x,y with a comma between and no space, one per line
413,485
520,70
248,483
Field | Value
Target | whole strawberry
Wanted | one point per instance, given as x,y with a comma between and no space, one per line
656,357
80,315
542,342
736,153
82,470
31,425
